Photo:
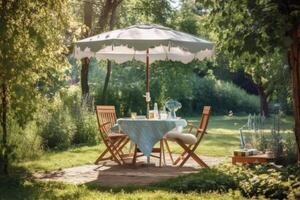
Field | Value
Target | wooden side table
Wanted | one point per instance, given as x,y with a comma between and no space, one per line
261,158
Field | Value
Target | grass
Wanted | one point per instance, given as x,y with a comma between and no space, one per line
221,140
15,188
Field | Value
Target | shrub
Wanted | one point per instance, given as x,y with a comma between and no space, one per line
83,116
67,120
58,130
223,96
205,180
25,142
268,180
56,125
253,181
86,127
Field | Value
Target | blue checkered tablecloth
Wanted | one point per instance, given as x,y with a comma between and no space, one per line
147,132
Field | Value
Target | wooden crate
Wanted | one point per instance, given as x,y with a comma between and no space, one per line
261,158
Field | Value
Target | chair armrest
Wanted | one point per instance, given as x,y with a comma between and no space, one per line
200,130
191,127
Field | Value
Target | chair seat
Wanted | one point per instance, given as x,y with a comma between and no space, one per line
186,138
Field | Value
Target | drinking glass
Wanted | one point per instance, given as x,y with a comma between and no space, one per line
133,115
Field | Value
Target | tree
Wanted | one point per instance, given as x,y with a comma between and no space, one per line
31,45
266,73
87,20
108,17
258,27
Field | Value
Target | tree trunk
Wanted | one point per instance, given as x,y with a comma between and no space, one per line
109,9
4,127
85,61
84,77
105,87
294,61
264,107
109,69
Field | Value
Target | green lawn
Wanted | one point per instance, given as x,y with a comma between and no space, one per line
28,189
221,140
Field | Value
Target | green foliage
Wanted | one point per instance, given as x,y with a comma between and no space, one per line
265,29
253,181
204,181
267,180
170,80
25,143
256,36
58,129
145,11
31,49
69,121
223,97
86,131
18,188
280,142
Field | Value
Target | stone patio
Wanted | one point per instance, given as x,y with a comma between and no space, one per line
110,174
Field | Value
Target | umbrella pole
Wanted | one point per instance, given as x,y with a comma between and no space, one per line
148,98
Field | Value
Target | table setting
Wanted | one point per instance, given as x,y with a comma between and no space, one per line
146,132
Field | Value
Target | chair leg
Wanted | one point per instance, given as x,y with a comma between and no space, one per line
190,153
114,155
195,157
113,149
169,151
134,155
120,146
163,152
101,156
160,152
181,157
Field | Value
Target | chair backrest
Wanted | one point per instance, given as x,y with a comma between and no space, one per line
106,117
205,118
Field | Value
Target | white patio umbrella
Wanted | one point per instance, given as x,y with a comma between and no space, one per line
146,43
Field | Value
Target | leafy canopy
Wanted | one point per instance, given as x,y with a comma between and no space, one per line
31,48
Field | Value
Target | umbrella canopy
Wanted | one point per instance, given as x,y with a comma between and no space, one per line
146,43
133,42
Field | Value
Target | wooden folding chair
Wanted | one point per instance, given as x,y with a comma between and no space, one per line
114,142
188,141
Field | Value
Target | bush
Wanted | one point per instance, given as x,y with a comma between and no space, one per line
58,130
223,97
86,127
23,143
68,120
253,181
170,80
204,181
267,180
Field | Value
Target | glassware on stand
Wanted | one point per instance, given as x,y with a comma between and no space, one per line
172,106
163,114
